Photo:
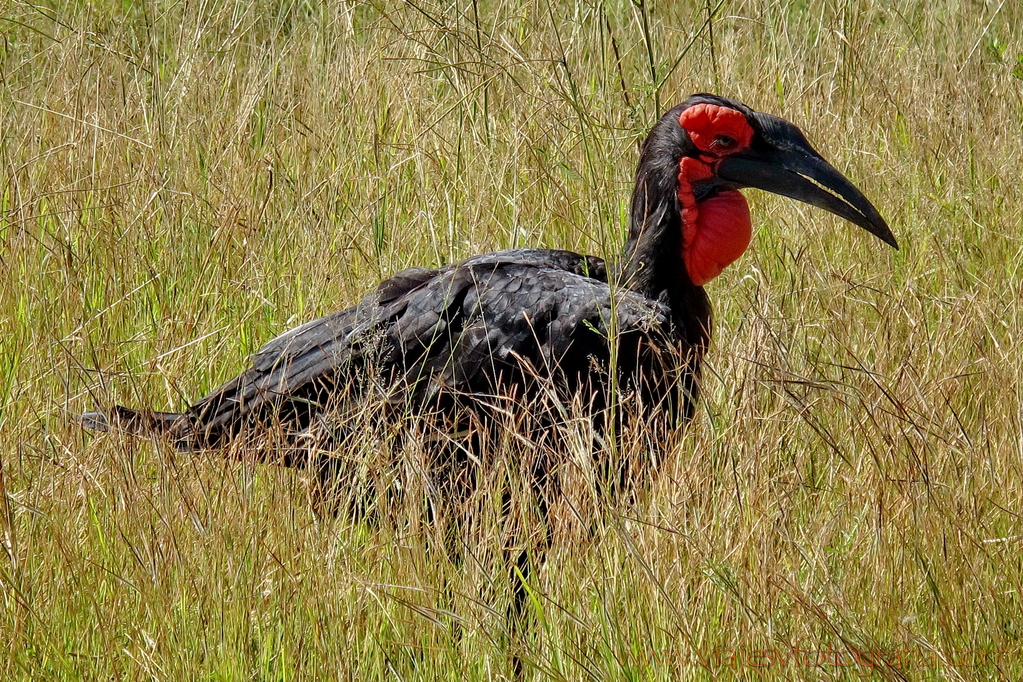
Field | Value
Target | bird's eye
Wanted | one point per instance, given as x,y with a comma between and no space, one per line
724,141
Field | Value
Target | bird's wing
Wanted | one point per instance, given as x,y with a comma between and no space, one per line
464,328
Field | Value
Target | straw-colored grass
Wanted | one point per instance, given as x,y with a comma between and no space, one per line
181,181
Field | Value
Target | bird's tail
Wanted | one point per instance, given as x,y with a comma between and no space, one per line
141,423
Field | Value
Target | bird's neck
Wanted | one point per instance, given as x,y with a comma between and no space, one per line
653,264
678,243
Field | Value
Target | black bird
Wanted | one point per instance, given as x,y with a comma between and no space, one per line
514,323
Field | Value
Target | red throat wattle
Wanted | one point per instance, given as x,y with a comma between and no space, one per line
722,234
717,230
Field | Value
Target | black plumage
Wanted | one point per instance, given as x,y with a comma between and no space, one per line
430,336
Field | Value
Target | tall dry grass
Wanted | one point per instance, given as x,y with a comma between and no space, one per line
182,181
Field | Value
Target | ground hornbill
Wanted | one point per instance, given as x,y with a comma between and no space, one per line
454,341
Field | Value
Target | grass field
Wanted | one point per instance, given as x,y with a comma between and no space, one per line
181,181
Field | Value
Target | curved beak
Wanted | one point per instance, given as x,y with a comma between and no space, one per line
796,171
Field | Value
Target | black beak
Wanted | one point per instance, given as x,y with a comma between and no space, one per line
793,169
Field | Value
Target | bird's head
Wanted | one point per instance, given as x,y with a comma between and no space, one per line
707,148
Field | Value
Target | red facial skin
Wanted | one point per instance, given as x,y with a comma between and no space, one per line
717,230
